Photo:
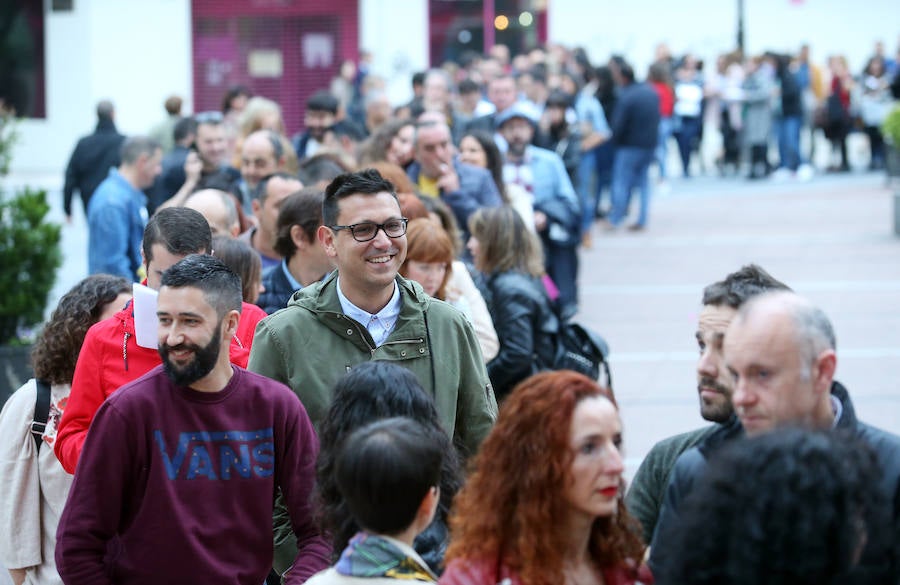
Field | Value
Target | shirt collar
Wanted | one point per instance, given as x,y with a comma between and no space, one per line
290,277
387,315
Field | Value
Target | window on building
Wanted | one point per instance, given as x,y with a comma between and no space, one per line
22,82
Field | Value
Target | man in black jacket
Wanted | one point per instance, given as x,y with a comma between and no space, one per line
780,351
92,158
635,124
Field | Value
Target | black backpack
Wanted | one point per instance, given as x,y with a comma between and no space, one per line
582,350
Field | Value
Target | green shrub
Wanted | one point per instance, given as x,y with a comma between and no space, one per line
29,257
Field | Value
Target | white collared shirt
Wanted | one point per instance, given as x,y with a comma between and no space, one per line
381,324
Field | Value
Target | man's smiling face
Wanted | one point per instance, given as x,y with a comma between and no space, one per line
366,268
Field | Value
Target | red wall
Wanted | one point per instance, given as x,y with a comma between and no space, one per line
313,37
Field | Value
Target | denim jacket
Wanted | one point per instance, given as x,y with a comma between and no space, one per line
117,215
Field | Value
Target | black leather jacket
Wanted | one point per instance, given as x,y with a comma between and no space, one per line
525,324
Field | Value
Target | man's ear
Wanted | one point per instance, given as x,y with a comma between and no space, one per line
825,366
230,324
298,236
326,238
428,508
255,206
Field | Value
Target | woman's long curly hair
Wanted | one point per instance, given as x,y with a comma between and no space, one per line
791,507
511,508
56,350
372,391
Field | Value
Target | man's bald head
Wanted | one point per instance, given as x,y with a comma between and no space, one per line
780,351
218,208
262,154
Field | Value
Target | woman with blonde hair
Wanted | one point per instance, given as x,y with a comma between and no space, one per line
544,503
264,114
509,256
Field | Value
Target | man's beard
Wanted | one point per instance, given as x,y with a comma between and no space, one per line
203,362
718,413
516,150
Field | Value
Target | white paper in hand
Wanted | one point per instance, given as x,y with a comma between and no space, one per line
145,321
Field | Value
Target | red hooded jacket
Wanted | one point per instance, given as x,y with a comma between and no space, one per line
110,357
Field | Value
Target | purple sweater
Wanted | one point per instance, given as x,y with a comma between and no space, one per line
177,486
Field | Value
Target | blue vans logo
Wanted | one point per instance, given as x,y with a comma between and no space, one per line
220,455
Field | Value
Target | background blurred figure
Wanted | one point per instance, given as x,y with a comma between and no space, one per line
688,109
875,103
793,503
93,157
543,503
33,483
233,103
163,131
837,122
392,142
479,149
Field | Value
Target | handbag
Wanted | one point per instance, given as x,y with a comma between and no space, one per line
584,351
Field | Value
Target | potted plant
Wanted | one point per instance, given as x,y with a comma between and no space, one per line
29,257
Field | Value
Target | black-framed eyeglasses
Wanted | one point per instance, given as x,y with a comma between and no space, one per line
367,230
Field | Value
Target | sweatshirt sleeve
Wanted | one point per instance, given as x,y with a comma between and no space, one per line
86,397
296,478
20,494
92,514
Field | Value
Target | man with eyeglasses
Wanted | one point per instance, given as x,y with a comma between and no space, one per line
364,311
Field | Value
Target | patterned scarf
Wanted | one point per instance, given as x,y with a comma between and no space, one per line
369,555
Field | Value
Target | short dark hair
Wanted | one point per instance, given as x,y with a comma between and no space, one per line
173,105
181,230
796,504
385,469
322,166
322,101
349,129
741,285
135,146
260,192
105,110
367,182
418,78
559,99
303,209
220,285
184,127
468,86
374,391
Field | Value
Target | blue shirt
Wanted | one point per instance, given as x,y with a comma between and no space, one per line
117,215
381,324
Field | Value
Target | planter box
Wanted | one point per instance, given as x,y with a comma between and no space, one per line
15,369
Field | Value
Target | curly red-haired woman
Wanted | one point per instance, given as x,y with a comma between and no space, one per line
544,503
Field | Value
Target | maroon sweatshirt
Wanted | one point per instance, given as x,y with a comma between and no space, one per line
177,486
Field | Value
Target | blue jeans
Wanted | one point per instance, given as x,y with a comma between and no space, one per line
587,191
630,168
687,135
789,142
662,146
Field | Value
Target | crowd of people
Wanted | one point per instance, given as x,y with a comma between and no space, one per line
356,327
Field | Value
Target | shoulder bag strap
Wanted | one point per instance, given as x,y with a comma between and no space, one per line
41,412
